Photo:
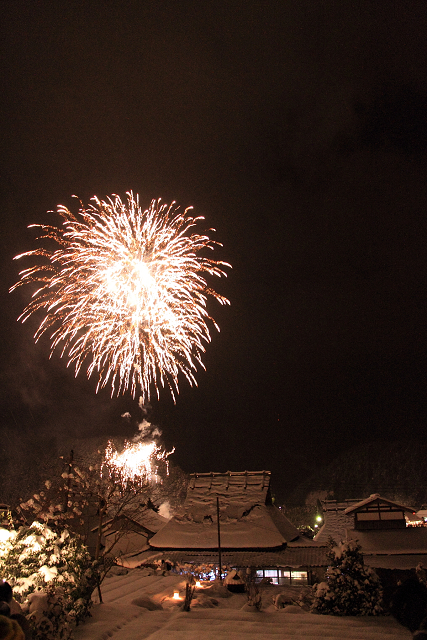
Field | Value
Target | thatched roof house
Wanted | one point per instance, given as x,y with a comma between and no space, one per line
253,533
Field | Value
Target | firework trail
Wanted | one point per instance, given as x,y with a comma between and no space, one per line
126,291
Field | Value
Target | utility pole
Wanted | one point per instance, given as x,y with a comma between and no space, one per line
219,540
68,484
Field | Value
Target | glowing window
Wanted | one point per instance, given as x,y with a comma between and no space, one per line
283,576
299,576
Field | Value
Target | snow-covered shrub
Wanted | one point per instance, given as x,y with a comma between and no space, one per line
52,575
47,614
350,588
70,501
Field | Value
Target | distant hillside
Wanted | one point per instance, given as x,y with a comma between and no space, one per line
397,470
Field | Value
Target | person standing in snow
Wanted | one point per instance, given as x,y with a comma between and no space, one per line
10,629
421,573
11,609
6,595
421,633
409,607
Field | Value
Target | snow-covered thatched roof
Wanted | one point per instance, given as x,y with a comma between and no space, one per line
237,491
263,527
248,520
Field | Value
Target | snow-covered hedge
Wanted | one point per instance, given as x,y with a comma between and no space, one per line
52,576
350,588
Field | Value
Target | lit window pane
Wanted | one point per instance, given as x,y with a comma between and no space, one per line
299,576
283,573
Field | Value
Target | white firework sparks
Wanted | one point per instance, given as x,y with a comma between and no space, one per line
125,290
137,460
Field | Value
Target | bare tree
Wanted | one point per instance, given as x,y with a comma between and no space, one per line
85,498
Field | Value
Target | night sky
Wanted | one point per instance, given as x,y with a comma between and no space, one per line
299,131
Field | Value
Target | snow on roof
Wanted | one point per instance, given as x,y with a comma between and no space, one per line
409,540
338,516
129,543
237,492
336,521
375,497
284,526
144,517
255,530
150,519
396,561
247,518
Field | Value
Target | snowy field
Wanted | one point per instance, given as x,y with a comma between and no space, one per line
119,619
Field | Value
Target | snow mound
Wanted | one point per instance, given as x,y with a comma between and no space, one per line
203,602
292,608
218,591
146,603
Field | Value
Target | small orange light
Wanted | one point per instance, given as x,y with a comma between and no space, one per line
198,584
176,595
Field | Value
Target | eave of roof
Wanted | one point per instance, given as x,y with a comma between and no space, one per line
409,540
396,561
295,558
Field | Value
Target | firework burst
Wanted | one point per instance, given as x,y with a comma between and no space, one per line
125,291
137,460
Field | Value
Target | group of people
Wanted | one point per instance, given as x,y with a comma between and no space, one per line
13,624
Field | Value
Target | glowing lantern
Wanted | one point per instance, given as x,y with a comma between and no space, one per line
176,595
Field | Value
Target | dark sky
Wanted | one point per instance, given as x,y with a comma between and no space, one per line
299,130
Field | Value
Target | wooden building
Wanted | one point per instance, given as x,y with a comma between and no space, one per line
377,513
383,530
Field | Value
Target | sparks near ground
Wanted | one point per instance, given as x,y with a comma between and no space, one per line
125,290
138,459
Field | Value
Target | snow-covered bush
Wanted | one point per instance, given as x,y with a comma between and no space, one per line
350,588
52,575
71,500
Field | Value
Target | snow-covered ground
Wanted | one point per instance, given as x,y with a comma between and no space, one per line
119,619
